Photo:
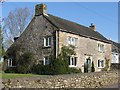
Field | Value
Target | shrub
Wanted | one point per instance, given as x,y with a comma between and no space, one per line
106,65
85,68
74,70
55,67
59,65
41,69
25,63
92,67
10,70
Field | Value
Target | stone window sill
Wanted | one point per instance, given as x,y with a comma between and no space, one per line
100,67
101,51
46,47
11,66
72,66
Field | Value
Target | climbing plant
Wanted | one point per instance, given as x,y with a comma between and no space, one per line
106,65
92,67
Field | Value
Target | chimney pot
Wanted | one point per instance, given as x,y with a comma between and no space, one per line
93,27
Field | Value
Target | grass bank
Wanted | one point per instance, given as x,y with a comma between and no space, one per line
13,75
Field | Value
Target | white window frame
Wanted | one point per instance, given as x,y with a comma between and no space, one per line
100,64
101,47
10,62
47,41
115,57
72,62
1,59
44,60
72,40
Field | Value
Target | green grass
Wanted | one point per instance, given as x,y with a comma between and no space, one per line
13,75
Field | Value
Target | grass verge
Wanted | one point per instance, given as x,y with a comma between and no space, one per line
13,75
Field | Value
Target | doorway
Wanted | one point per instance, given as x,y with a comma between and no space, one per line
87,65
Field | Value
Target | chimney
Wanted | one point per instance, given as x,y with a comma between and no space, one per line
40,9
93,27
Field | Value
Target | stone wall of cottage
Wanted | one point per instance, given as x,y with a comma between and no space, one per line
90,80
86,47
32,38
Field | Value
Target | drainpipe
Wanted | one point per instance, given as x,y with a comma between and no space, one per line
56,43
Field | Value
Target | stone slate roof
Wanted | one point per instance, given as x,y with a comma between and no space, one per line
115,46
73,27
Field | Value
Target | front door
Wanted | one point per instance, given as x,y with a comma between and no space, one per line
87,65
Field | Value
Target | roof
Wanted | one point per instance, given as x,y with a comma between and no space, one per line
73,27
115,46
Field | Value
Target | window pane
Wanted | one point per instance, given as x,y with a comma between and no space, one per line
76,40
98,63
72,61
75,61
47,60
100,47
13,62
46,41
73,41
69,60
49,41
102,63
10,62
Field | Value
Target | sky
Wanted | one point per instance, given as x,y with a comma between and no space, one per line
103,14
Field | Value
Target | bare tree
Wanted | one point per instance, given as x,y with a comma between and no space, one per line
2,1
15,23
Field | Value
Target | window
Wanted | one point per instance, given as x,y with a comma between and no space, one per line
72,61
100,47
100,63
72,41
1,59
47,41
11,63
46,60
115,58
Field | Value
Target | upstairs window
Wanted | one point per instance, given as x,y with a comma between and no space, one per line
100,63
47,41
72,61
100,47
46,60
72,40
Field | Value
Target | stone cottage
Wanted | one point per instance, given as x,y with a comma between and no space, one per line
115,62
46,34
115,52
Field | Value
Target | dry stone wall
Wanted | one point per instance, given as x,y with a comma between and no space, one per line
91,80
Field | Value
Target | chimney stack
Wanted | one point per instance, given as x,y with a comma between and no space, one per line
40,9
93,27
